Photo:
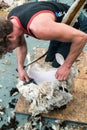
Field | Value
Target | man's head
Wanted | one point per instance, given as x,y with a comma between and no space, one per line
6,27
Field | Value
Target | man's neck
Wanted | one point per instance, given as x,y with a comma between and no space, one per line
16,27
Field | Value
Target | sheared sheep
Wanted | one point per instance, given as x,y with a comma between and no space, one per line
48,93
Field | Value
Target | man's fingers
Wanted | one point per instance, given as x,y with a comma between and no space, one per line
27,79
61,78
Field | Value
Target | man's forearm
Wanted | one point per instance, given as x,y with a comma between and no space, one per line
21,55
75,50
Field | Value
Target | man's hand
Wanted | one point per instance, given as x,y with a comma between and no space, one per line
23,75
62,73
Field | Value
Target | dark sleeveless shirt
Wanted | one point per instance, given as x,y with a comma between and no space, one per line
25,13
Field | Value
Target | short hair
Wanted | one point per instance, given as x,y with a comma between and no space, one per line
6,27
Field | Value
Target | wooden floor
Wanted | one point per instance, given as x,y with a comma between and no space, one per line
75,110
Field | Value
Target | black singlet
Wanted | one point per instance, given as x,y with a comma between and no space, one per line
25,13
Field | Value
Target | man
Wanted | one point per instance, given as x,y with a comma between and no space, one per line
42,20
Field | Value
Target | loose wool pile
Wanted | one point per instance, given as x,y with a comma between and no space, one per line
48,93
45,96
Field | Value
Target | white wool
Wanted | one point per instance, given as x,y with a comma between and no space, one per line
40,74
9,2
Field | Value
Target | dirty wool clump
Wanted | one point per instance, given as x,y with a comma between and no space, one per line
45,97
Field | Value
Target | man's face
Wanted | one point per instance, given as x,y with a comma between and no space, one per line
8,44
12,43
3,46
13,40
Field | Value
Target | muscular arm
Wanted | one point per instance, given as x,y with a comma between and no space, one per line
50,30
21,55
78,40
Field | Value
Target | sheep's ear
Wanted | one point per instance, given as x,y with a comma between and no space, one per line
59,58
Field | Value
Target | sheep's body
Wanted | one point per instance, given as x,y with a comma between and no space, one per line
48,93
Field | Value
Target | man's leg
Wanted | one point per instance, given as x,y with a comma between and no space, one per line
63,49
83,22
57,47
53,46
